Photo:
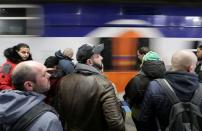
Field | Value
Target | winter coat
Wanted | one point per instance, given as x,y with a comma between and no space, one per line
137,86
157,105
7,68
65,63
88,101
135,89
14,103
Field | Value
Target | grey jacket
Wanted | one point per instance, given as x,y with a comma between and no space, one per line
89,102
14,104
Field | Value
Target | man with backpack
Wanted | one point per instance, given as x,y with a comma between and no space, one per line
157,107
23,109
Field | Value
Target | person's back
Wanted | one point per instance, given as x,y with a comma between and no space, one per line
30,79
88,101
184,115
152,68
65,60
156,103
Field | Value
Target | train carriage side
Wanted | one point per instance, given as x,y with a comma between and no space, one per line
122,28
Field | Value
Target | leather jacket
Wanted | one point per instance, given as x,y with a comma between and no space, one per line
88,101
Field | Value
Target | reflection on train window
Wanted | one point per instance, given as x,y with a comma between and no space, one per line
12,27
21,20
121,54
12,12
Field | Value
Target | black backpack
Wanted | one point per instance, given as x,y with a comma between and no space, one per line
135,89
30,116
184,116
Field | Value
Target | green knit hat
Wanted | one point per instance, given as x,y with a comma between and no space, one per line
151,56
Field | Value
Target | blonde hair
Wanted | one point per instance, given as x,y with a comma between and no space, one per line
68,52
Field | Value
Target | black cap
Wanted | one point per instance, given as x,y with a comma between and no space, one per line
86,51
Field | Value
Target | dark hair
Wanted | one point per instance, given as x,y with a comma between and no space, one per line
20,45
12,55
143,50
200,47
86,51
51,61
21,76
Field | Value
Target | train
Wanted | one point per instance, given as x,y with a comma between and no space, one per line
122,28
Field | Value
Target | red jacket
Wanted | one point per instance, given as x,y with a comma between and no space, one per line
5,75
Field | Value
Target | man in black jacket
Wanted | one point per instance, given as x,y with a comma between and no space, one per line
88,101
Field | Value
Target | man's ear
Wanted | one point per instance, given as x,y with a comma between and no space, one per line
89,62
28,85
190,68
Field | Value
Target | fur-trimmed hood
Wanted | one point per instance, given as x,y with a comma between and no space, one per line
13,56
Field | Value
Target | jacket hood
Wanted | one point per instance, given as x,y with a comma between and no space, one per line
14,103
85,69
13,56
182,84
154,69
59,54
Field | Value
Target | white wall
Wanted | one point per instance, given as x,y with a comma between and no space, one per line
42,47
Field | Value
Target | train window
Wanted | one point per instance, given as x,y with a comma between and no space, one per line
23,20
117,59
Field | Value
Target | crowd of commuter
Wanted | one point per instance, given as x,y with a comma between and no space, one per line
60,95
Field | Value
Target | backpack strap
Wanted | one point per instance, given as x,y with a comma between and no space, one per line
24,121
168,90
197,97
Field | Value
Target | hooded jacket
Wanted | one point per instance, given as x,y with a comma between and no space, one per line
136,87
88,101
157,105
13,104
65,63
154,69
7,68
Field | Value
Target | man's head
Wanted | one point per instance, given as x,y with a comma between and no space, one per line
151,56
184,60
31,76
141,52
68,52
90,55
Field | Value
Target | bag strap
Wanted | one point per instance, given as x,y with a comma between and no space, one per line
197,97
168,90
24,121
